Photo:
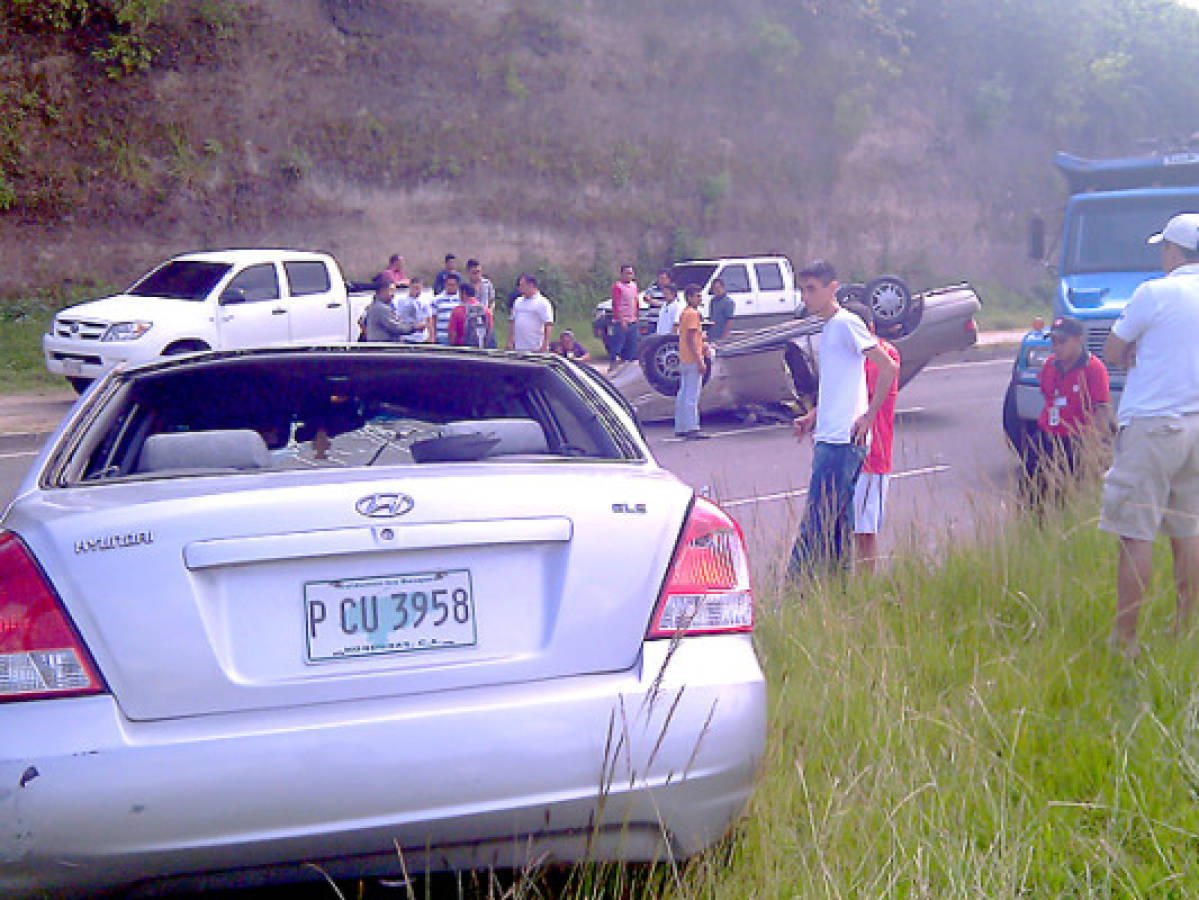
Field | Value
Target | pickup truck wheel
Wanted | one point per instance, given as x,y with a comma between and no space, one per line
891,302
659,359
1018,431
184,347
79,384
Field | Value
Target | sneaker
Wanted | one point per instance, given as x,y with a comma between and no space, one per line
695,436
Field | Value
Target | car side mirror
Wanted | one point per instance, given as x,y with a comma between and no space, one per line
233,295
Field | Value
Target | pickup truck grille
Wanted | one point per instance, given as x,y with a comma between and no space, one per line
79,329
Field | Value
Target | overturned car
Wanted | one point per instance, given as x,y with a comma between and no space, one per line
778,364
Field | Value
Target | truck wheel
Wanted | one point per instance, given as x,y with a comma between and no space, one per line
184,347
891,302
1018,430
659,359
79,384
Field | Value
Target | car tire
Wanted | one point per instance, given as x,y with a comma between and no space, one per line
1017,430
79,384
659,360
892,304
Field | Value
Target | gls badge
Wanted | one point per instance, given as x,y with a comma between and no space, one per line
633,508
384,506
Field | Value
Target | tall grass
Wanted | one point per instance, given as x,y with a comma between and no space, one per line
964,731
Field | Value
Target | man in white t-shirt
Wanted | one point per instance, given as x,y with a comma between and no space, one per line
839,424
1153,483
532,318
668,312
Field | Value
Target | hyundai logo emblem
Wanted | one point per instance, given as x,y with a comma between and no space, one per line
384,506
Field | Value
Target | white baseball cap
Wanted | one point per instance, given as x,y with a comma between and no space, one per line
1182,230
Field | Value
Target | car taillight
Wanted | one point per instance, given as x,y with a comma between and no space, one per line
40,654
707,590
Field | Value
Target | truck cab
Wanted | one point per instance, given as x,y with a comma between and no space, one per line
1113,207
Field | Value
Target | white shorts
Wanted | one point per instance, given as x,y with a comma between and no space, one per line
869,502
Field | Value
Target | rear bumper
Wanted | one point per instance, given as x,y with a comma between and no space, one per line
625,765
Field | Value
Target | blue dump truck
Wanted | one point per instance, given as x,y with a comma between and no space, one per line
1114,205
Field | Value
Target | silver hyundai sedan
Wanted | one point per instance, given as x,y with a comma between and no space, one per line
368,609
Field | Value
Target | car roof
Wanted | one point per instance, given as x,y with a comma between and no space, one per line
248,256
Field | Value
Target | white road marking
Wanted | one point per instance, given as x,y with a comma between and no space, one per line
967,365
749,429
19,455
787,495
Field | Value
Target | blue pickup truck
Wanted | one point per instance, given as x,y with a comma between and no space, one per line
1114,205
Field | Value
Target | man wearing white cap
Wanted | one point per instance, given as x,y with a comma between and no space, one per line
1153,483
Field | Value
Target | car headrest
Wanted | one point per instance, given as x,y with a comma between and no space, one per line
233,448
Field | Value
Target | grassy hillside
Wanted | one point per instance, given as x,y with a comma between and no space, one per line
909,137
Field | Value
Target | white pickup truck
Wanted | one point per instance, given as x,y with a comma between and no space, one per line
764,293
221,299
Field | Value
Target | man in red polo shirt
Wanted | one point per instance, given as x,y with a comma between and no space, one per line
1077,410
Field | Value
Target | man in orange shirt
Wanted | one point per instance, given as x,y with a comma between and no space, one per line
692,365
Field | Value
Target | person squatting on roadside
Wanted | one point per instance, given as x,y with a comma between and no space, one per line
692,365
1153,483
623,330
870,490
1075,418
839,424
567,346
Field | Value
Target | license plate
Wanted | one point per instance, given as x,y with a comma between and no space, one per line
359,617
72,366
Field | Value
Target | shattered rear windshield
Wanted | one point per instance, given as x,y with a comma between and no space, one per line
288,411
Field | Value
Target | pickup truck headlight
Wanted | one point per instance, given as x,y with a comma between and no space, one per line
1035,357
127,331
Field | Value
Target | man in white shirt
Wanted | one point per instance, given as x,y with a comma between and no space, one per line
532,318
668,312
840,423
1153,483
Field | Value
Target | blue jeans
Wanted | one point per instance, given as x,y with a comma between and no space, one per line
686,401
622,341
827,527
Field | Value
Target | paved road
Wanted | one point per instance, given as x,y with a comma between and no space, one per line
952,476
952,468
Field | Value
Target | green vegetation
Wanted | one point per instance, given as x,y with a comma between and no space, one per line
22,323
964,731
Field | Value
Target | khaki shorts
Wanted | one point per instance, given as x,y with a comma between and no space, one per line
1153,483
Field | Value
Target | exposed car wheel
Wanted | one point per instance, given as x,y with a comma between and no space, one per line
1018,430
184,347
79,384
659,358
892,304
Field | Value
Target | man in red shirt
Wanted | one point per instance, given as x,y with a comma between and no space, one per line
1077,410
623,331
870,490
